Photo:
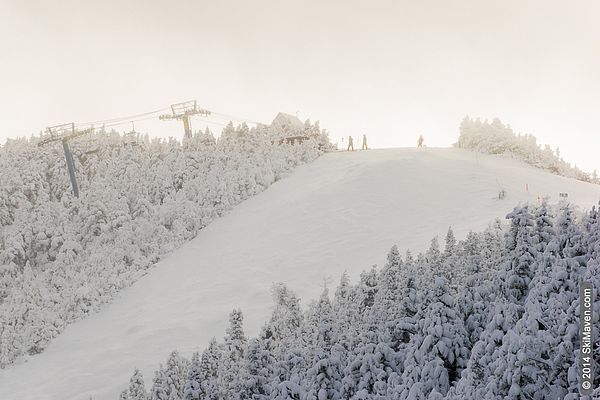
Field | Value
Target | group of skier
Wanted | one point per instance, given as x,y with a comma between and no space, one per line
365,147
351,143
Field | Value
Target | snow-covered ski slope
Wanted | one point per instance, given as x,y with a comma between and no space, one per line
341,212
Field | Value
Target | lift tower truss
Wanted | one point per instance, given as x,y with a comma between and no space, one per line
63,133
183,111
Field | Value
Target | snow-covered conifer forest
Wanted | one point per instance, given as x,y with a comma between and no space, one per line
487,314
491,316
62,257
173,227
497,138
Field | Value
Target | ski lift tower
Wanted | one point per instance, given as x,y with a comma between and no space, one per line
63,133
183,111
131,136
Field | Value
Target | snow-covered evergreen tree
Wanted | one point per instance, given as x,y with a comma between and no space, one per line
124,395
290,374
544,226
591,274
286,319
346,306
209,369
193,389
438,352
409,308
477,293
452,262
451,244
520,267
525,357
260,363
493,246
159,389
368,289
137,389
175,375
370,368
386,309
431,262
324,377
232,374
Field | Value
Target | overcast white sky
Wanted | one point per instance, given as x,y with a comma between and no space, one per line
391,69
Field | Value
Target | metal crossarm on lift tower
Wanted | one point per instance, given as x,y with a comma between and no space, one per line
183,111
64,133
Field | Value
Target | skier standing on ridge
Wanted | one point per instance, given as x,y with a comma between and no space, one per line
364,146
420,141
350,143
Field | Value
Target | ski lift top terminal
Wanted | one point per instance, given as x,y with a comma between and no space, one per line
183,111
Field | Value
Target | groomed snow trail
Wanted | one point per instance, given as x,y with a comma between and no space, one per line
342,212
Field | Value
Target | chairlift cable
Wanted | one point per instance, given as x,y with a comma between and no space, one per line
125,118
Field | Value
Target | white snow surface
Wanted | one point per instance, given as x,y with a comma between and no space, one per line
341,212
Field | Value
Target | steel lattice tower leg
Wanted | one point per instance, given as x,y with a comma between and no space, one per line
71,167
